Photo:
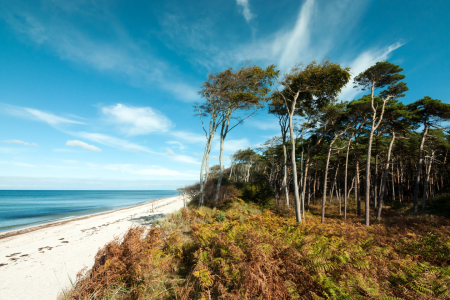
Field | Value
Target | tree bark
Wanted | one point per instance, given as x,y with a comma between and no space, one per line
294,167
419,167
427,178
345,177
223,134
383,182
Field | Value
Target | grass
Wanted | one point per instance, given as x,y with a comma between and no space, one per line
244,252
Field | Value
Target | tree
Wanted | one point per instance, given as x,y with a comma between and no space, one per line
212,92
334,117
307,89
244,89
277,107
383,75
429,113
396,120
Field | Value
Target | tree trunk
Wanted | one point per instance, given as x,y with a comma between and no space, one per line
419,167
324,195
367,194
223,134
285,187
357,186
383,181
393,182
205,159
427,177
374,127
345,177
294,167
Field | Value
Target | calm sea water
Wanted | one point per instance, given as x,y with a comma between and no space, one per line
20,209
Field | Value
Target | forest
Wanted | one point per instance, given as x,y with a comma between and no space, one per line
350,201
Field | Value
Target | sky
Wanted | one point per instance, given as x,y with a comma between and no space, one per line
100,94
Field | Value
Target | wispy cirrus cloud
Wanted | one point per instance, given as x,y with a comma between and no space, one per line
177,144
189,137
112,141
19,142
244,8
181,157
141,169
116,52
81,144
137,120
364,61
37,115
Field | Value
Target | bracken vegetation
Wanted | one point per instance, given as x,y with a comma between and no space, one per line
244,252
348,225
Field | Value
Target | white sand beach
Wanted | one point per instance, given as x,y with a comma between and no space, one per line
37,262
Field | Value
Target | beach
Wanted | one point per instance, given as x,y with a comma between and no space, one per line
39,262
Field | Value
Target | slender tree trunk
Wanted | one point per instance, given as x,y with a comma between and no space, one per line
427,177
358,186
285,187
385,173
309,192
203,178
419,167
374,127
367,194
338,194
375,179
393,182
294,168
345,177
324,194
223,134
401,182
314,187
302,183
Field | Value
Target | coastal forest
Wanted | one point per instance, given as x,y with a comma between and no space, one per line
350,201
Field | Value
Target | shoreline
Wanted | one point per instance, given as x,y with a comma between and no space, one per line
14,232
45,258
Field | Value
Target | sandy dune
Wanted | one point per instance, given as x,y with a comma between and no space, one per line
37,262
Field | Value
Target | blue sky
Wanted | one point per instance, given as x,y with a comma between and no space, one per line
99,94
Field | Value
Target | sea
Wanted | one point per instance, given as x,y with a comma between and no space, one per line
20,209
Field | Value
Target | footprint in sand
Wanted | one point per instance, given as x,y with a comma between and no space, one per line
64,242
11,255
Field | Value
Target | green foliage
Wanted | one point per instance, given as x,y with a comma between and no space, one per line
258,193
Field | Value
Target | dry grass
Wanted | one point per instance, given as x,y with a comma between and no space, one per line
241,252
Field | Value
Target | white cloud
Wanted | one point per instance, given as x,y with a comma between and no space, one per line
112,141
137,120
17,164
364,61
115,53
298,38
36,114
245,9
189,137
48,117
147,170
76,143
19,142
176,143
181,158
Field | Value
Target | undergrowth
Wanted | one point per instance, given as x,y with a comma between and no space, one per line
244,252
